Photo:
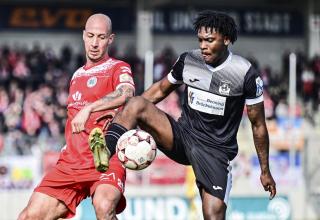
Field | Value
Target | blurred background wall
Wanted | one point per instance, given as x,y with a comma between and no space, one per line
41,46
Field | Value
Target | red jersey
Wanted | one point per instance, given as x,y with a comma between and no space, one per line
87,85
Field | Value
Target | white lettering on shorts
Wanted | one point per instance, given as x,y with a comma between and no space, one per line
120,184
110,176
206,102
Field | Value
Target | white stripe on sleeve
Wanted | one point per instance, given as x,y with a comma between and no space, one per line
254,101
173,80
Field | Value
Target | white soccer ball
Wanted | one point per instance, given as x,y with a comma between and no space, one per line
136,149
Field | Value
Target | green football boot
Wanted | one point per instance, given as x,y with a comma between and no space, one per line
98,147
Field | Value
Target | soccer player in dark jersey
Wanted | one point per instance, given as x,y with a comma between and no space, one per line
218,85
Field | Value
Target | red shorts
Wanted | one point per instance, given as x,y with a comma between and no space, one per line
72,186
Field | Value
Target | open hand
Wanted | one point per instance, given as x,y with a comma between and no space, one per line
79,121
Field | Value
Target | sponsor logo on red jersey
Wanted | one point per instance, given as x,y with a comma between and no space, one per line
77,96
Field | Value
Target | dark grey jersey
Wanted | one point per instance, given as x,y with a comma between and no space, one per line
214,98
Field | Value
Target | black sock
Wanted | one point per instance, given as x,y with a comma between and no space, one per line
113,134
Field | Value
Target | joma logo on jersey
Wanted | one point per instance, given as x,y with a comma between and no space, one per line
92,81
224,88
77,96
194,80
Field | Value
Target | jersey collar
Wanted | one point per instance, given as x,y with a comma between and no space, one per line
105,58
222,65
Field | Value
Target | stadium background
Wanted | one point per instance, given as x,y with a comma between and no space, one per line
41,45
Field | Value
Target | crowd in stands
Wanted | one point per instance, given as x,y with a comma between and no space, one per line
34,88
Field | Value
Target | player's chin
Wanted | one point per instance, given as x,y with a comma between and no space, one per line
208,60
94,57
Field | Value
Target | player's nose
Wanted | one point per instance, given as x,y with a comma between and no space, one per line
203,45
95,42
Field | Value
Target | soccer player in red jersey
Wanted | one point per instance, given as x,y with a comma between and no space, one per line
96,92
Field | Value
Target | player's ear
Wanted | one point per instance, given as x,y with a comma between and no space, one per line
83,34
226,41
111,38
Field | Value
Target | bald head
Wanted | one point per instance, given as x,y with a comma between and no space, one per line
97,37
99,20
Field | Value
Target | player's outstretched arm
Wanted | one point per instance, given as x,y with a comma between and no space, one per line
261,141
111,101
159,90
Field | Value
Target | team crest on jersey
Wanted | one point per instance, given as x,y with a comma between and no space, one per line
224,88
92,81
259,84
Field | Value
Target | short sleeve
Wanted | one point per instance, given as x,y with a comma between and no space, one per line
253,87
122,75
175,75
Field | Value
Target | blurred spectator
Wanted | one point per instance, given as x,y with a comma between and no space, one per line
316,93
38,64
265,75
282,109
163,63
136,64
308,79
53,73
80,59
20,70
4,70
268,105
66,61
34,91
4,99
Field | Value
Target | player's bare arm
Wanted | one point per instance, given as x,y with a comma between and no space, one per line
261,141
111,101
159,90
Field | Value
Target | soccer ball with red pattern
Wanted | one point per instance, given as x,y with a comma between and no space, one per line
136,149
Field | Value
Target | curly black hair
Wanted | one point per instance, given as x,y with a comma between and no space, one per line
221,22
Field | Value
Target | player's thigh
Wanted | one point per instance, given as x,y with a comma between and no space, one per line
156,122
42,206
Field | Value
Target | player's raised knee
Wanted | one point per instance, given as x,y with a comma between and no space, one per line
137,104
